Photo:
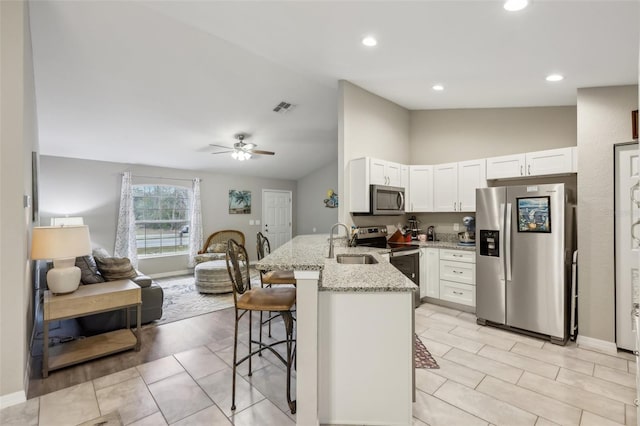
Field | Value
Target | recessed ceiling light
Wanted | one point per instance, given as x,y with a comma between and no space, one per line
515,5
438,87
554,77
369,41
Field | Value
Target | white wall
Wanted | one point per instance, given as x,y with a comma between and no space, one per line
312,190
368,125
442,136
604,119
18,135
91,189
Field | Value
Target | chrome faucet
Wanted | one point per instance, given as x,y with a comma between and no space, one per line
331,237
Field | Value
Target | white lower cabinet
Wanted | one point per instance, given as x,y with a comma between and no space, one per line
430,272
457,276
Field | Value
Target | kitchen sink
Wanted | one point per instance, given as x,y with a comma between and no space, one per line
356,259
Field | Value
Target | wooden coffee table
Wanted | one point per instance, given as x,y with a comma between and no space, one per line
87,300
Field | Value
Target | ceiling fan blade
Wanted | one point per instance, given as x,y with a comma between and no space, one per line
223,152
260,152
220,146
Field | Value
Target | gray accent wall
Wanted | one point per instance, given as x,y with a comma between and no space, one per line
91,189
19,136
604,119
313,216
443,136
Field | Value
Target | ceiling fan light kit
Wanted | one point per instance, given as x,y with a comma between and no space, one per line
241,151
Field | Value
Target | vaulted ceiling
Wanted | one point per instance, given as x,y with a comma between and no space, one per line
156,82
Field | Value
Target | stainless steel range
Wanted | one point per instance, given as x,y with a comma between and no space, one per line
405,257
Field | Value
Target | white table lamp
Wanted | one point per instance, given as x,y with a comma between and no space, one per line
62,244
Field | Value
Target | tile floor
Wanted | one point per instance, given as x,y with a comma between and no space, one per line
487,376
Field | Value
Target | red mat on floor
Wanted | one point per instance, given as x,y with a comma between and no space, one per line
423,358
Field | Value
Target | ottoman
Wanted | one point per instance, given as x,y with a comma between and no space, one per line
212,277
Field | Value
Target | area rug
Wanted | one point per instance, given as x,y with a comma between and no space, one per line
182,300
423,357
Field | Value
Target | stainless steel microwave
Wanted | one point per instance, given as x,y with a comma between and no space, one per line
387,200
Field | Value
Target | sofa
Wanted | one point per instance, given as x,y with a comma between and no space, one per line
100,267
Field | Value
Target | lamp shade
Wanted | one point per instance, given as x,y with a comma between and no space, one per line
59,242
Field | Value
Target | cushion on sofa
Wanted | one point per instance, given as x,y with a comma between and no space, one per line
142,280
89,273
115,268
100,252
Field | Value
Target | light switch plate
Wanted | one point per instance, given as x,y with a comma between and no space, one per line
257,222
252,222
456,226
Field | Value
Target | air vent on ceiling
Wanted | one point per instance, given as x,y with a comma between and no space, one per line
283,107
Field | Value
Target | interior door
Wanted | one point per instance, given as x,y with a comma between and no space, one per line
627,243
276,216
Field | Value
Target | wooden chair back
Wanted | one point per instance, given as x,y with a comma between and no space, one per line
221,237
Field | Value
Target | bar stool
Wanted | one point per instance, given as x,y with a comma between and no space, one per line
247,299
267,279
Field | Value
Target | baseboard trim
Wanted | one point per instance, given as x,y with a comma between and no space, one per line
597,344
12,399
172,273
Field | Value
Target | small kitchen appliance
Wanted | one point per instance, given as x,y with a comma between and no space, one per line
413,227
468,237
431,233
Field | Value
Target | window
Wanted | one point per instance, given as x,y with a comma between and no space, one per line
162,219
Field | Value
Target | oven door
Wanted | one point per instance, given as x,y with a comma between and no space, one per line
408,262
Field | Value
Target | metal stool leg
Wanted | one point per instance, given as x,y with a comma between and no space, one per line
250,345
235,357
288,322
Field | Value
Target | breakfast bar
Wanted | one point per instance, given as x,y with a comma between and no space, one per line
354,333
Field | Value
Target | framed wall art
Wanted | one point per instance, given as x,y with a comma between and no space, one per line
534,214
239,202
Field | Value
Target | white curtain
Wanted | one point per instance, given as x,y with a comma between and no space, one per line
126,232
195,225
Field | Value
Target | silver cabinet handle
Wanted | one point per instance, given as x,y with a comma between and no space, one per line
635,188
529,169
633,234
521,171
459,293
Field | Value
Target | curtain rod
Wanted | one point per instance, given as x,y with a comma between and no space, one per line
168,178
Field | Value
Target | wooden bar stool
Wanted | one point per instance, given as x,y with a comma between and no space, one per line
267,279
247,299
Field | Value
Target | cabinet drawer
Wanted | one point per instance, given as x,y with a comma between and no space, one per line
458,271
458,293
458,255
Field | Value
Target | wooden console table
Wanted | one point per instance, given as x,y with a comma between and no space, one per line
87,300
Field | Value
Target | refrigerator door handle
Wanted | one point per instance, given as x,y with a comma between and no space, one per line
503,272
507,240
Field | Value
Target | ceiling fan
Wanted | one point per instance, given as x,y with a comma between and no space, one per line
241,150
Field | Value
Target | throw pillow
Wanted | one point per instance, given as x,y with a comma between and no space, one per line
89,273
115,268
217,248
100,252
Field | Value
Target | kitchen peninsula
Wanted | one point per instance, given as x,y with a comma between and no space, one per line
354,334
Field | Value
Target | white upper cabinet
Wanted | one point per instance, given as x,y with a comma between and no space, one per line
471,175
454,185
420,194
385,173
539,163
445,187
506,166
366,171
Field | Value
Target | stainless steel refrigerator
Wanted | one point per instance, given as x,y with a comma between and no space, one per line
523,258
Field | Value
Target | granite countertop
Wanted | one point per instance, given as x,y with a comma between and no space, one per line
441,244
309,253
